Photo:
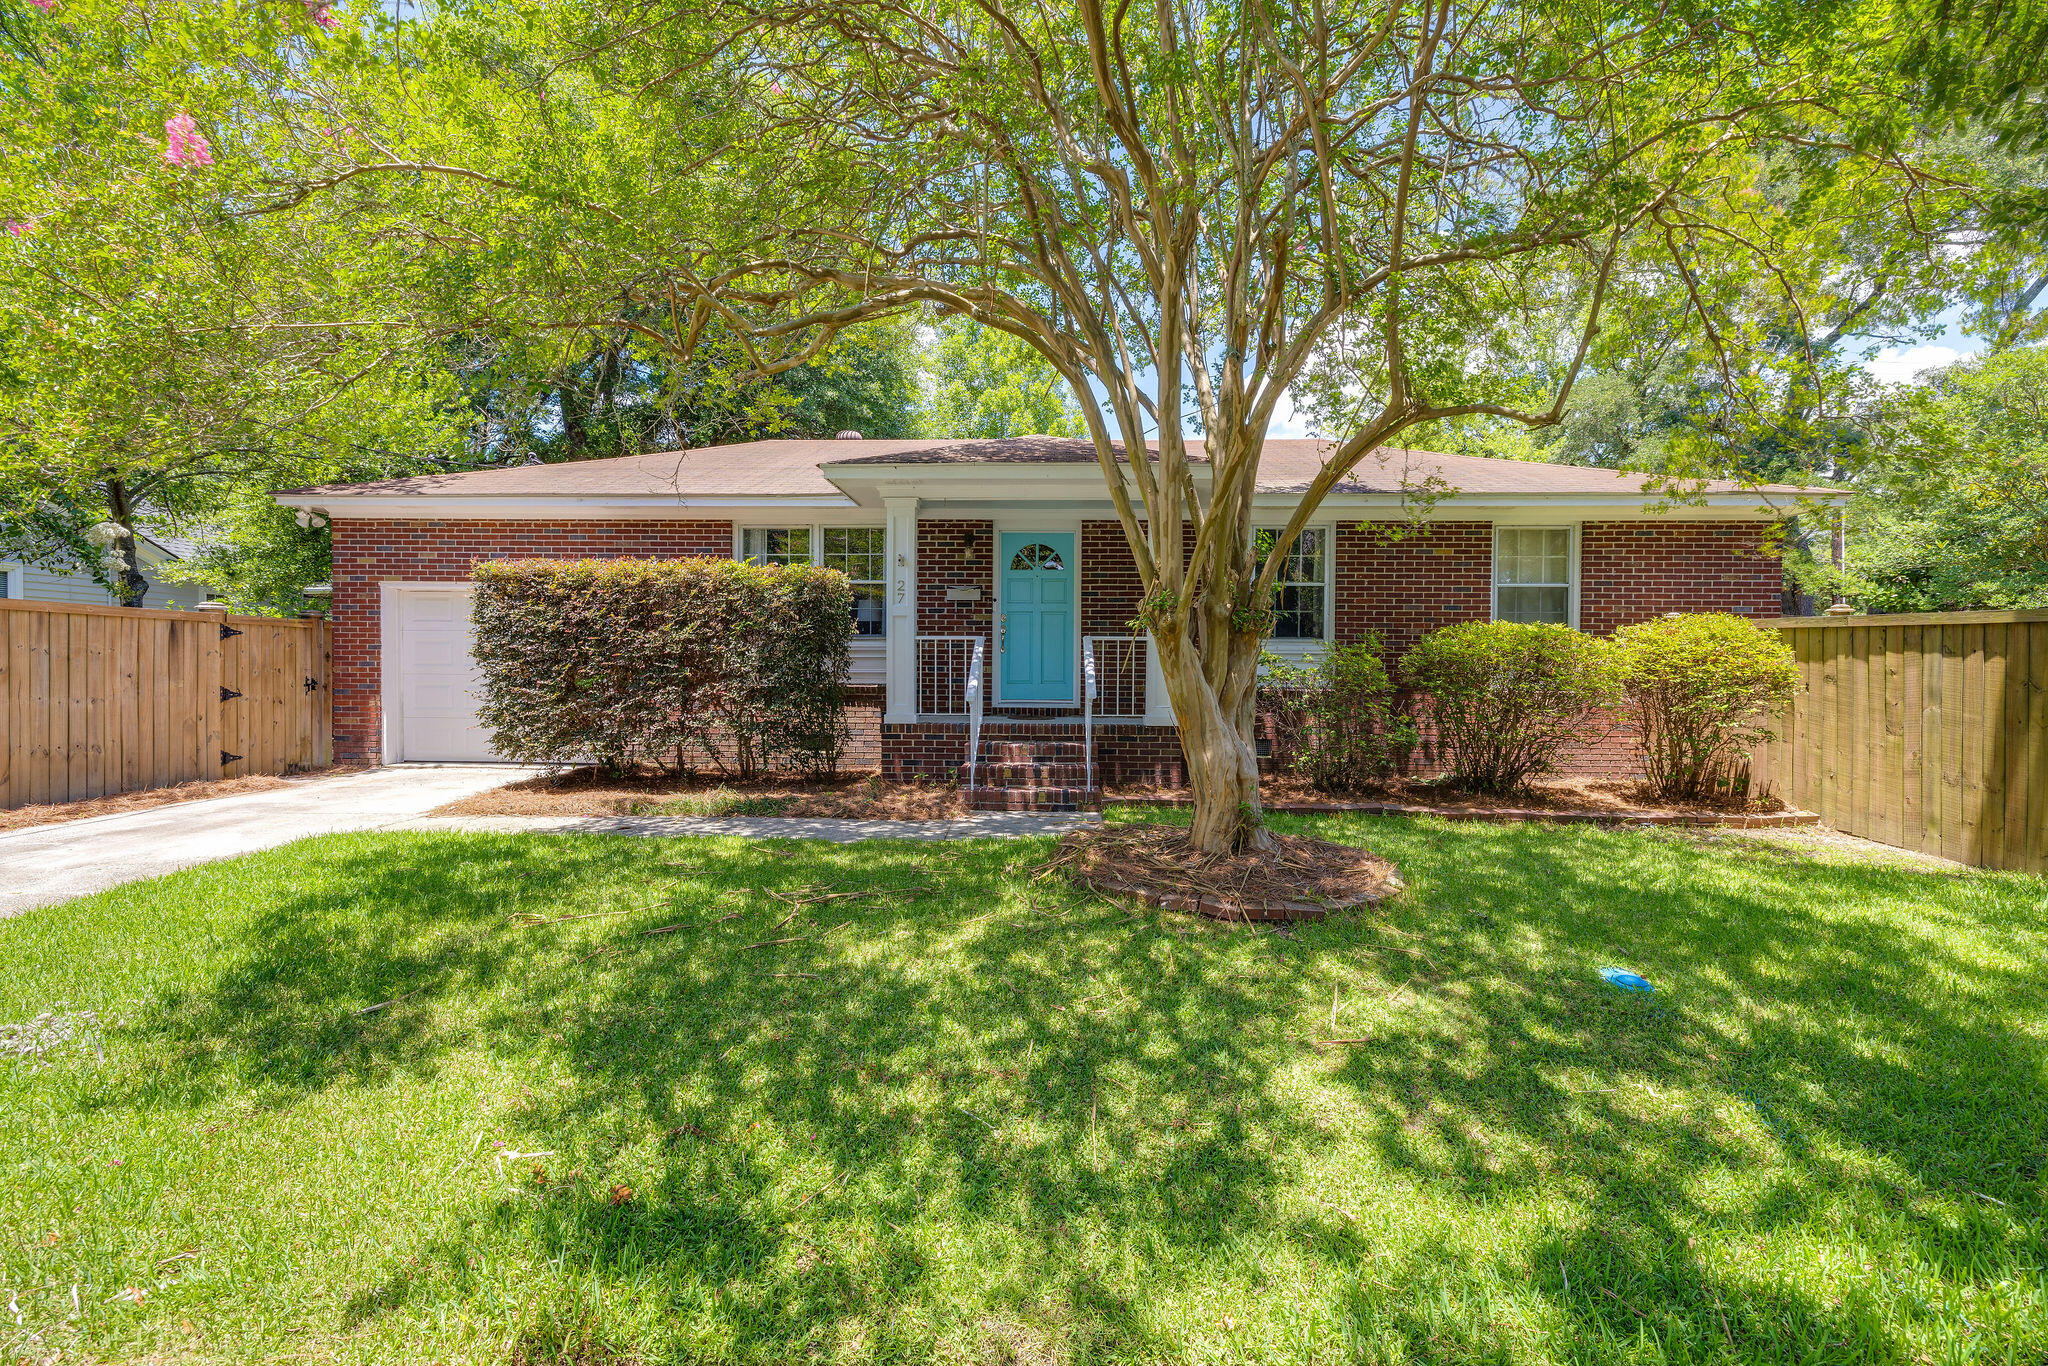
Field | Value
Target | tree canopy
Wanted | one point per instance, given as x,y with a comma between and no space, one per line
1393,213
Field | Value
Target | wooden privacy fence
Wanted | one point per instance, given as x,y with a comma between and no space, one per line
1924,730
100,700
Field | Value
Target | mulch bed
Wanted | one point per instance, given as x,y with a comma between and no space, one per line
583,792
1299,879
1558,800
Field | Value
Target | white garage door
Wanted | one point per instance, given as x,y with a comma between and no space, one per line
437,679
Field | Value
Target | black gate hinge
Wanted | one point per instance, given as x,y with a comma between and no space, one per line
312,684
226,631
228,694
227,758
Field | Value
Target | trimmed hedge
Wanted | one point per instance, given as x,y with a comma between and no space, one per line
1506,697
1701,686
623,662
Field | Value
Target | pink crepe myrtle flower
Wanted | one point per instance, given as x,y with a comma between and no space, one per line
44,5
185,144
322,13
18,228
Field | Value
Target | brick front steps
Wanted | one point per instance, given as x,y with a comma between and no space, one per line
1049,774
1731,820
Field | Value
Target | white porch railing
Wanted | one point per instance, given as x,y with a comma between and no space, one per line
944,664
1118,663
1112,684
1088,711
974,709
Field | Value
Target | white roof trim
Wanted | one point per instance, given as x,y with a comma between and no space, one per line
1377,506
419,507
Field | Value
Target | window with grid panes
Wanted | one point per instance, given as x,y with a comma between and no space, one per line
776,545
1299,587
857,552
1532,574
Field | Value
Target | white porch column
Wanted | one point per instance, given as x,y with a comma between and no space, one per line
899,650
1158,706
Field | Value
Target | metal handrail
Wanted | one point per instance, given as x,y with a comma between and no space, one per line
1088,710
918,664
974,667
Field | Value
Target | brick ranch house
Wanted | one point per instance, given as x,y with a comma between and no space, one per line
1010,546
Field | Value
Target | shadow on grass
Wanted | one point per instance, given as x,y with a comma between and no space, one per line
1002,1054
1883,1065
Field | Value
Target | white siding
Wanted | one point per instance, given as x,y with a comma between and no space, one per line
42,585
868,668
1295,651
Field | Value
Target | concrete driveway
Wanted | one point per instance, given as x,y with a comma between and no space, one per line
48,863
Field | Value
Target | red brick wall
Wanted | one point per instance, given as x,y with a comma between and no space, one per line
1403,588
367,553
936,751
864,728
1110,591
955,554
1398,588
1630,571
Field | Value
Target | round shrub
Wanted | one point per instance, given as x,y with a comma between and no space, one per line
1701,688
1506,697
1334,721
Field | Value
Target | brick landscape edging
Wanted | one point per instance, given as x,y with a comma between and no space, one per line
1733,820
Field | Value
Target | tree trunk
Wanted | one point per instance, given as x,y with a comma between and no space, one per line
128,585
1221,746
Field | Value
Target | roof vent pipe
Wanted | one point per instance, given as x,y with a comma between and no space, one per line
848,435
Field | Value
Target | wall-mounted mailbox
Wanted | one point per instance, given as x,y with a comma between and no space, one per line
971,593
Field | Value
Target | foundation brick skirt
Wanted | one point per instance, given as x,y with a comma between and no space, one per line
936,751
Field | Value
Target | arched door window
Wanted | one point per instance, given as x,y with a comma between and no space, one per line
1037,555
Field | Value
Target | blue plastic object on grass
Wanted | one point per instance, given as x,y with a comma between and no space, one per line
1625,980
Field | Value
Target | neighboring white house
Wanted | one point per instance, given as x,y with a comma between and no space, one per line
19,580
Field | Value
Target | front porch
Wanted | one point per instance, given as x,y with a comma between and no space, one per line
1033,755
1008,665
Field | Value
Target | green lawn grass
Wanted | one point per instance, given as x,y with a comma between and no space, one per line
1006,1123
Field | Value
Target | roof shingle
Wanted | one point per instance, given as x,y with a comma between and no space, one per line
799,468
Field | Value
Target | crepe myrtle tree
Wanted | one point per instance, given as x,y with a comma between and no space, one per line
1186,207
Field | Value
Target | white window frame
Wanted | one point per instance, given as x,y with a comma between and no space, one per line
1329,534
739,536
1572,576
14,584
816,535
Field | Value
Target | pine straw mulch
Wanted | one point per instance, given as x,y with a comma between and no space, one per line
56,813
584,792
1616,797
1299,879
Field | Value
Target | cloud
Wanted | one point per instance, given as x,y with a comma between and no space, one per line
1903,365
1284,421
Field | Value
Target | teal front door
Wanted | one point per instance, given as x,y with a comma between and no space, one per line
1035,635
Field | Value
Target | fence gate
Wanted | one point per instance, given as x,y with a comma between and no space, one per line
1924,730
101,700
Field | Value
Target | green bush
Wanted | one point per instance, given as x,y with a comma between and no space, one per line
619,662
1701,687
1504,698
1334,721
